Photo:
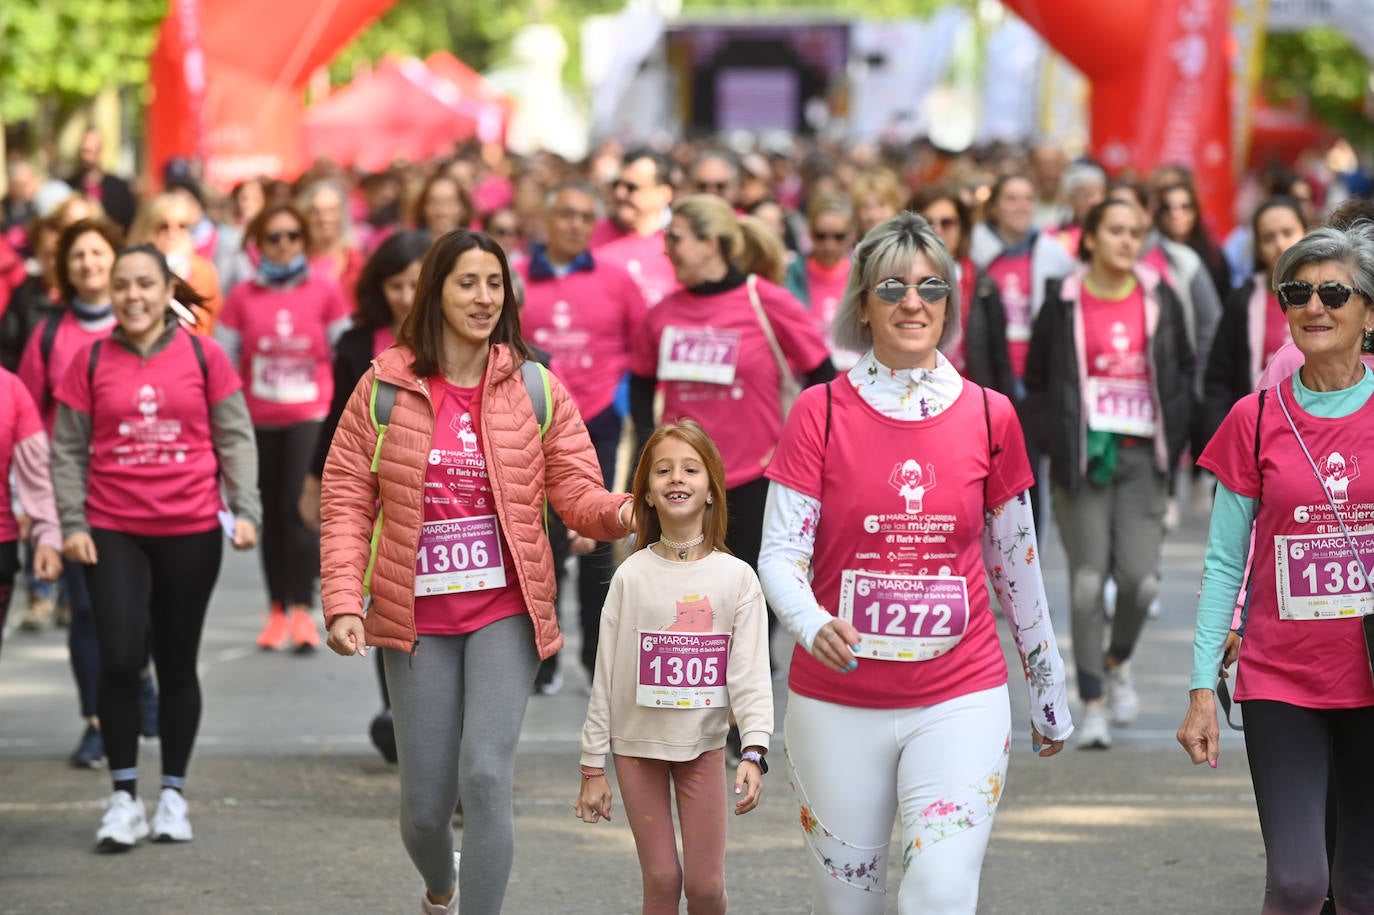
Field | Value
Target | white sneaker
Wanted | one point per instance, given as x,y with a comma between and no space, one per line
1122,698
434,908
123,825
170,823
1093,733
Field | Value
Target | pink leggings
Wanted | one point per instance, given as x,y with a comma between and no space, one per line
701,807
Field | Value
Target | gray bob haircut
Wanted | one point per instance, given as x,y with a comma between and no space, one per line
1353,247
888,250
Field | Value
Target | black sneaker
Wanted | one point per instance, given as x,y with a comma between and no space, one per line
90,752
548,681
383,731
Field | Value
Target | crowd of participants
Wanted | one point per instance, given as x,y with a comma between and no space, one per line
385,377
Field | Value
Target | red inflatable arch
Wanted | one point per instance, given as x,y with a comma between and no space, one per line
228,80
1160,73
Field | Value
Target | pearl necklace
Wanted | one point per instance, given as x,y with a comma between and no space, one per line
683,547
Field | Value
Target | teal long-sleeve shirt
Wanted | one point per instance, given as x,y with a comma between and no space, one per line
1228,538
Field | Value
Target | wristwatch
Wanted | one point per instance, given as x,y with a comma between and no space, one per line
757,758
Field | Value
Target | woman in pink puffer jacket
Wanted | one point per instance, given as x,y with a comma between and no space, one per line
440,521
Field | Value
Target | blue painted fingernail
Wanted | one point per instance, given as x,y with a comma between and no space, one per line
853,665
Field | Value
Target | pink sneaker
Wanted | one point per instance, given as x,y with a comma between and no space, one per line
304,632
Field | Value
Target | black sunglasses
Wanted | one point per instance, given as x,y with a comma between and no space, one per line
945,223
829,236
932,289
276,238
1297,293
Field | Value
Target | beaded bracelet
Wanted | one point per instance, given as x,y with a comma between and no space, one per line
588,777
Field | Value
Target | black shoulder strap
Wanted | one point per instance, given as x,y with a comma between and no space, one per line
992,452
200,360
1259,414
90,368
47,337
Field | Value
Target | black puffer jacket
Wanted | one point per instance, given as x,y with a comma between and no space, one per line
1054,398
985,336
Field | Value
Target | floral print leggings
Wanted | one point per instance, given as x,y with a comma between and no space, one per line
853,770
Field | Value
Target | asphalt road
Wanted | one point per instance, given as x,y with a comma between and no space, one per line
295,812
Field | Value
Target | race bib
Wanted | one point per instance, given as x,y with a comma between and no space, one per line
284,379
1122,405
1316,578
698,354
682,669
904,617
459,556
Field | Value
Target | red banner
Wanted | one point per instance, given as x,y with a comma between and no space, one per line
1160,84
1185,108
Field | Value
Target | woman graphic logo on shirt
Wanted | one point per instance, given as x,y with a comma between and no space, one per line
912,484
1337,474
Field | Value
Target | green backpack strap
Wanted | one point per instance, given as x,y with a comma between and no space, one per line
536,379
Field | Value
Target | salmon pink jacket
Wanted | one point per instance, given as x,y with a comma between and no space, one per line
372,502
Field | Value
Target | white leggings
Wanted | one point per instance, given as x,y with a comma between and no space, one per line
853,769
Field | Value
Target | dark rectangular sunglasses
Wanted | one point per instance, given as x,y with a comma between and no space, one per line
1297,293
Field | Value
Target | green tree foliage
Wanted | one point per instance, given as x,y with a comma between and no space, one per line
66,51
1323,67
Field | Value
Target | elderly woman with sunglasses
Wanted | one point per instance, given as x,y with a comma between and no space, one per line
1287,461
1109,399
879,540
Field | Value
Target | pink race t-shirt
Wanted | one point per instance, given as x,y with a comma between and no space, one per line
896,498
716,366
18,420
153,469
1118,396
382,340
464,574
41,379
1012,274
1302,565
825,288
1276,329
285,358
586,320
643,259
968,285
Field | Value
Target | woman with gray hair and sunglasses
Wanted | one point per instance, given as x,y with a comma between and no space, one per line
895,493
1287,460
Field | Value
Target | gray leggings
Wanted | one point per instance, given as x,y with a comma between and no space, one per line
477,683
1115,530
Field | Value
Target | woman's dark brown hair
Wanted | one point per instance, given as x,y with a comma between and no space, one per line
423,330
932,194
1093,221
257,229
417,205
113,235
